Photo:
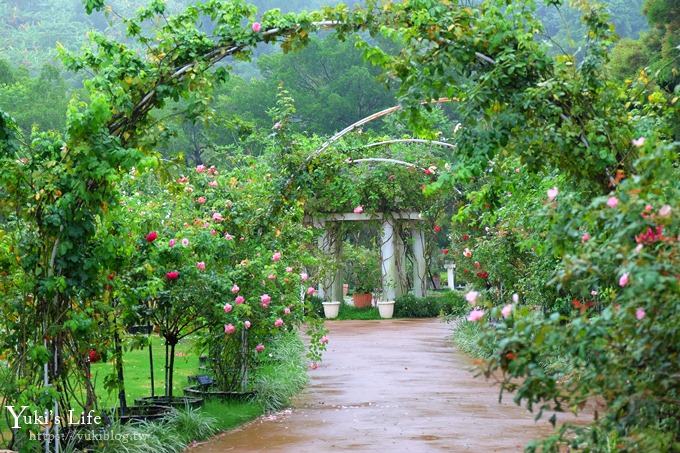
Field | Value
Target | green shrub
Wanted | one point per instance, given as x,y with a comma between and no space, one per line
450,303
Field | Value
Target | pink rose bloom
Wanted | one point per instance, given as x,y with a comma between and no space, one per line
359,209
593,293
200,265
311,291
304,277
289,269
585,238
183,180
212,183
313,365
171,243
623,281
246,324
324,340
217,217
228,237
612,202
552,193
278,322
475,315
256,27
185,242
506,311
200,168
640,313
515,298
277,125
265,299
235,289
228,308
259,347
471,297
286,311
276,256
271,277
639,142
239,299
467,253
665,211
213,232
229,329
201,200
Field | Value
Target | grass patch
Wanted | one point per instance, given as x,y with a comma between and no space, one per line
467,337
350,312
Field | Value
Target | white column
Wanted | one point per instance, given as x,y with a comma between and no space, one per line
336,284
390,275
451,274
419,266
325,283
401,286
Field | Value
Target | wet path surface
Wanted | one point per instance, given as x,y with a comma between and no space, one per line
390,386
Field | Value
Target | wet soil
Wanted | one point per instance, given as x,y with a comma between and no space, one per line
390,386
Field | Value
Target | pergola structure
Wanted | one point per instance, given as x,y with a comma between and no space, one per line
392,251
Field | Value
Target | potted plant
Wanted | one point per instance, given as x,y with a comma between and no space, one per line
363,269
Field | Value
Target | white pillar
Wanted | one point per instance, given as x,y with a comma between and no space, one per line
325,283
419,266
451,274
388,253
338,278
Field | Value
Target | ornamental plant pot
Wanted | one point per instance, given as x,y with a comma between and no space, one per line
331,309
386,309
362,300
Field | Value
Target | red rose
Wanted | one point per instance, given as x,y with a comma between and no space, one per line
466,237
173,275
477,265
445,251
152,236
437,228
483,275
111,276
93,356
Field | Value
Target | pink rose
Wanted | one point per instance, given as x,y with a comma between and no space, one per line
185,242
256,27
229,329
552,193
475,315
471,297
585,238
639,142
612,202
265,300
200,265
271,277
276,256
623,281
239,299
289,269
171,243
217,217
286,311
311,291
212,183
228,308
359,209
235,289
323,340
467,253
304,277
246,324
506,311
201,200
200,168
228,237
640,313
278,322
665,211
259,347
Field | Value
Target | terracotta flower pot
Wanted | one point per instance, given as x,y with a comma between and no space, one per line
362,300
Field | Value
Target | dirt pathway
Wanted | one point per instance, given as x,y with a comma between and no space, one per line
390,386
